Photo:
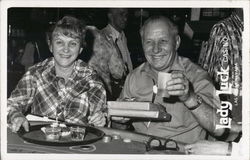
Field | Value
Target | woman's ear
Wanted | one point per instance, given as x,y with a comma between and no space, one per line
81,50
177,42
50,46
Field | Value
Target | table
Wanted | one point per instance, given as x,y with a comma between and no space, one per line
16,144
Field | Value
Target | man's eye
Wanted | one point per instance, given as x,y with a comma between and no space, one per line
164,41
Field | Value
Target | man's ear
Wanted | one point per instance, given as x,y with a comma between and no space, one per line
177,42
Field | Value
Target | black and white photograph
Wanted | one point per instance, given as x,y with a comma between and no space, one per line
129,80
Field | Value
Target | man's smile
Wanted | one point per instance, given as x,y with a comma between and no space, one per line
157,56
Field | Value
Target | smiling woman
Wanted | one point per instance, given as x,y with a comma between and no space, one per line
61,87
66,40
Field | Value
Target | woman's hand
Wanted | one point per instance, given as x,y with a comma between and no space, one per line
98,119
18,122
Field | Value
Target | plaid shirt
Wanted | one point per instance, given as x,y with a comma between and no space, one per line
43,93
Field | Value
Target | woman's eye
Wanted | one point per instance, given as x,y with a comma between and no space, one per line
148,42
58,42
73,43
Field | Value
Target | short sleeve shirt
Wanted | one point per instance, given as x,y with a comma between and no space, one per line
183,125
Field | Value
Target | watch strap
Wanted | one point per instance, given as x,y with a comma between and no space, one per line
199,101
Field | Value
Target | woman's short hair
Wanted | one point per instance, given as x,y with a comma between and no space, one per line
70,27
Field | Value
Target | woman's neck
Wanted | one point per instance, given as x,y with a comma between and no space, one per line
64,72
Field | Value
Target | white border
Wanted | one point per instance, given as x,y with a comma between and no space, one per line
133,4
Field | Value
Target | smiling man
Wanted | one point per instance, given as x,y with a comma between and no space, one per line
60,87
192,100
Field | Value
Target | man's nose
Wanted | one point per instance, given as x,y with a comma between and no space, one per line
156,48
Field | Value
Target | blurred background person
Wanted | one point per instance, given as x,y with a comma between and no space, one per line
36,49
111,58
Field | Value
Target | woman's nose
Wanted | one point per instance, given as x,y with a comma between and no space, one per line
66,48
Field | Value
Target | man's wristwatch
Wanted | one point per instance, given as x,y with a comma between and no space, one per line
199,101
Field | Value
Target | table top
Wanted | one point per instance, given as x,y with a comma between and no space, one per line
136,145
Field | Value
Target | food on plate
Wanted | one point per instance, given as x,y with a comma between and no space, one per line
55,131
65,132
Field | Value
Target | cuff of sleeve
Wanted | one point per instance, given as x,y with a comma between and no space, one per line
190,102
13,115
235,149
229,151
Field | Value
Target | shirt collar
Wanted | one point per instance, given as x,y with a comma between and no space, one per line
50,73
236,18
114,33
75,70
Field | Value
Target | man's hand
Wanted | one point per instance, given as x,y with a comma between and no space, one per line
207,148
179,86
18,122
98,119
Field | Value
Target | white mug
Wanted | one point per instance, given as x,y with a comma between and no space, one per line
163,78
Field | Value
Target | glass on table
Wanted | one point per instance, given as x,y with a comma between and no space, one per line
77,133
52,133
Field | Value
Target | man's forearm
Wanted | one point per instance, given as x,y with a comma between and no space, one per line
205,114
207,118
